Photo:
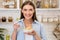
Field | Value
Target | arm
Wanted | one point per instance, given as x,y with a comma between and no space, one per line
42,32
37,37
14,34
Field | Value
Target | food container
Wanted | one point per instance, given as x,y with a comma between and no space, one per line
9,4
7,37
45,19
7,0
4,19
38,4
55,19
46,4
10,19
28,37
50,19
54,3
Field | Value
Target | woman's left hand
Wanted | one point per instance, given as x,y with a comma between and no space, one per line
34,34
31,33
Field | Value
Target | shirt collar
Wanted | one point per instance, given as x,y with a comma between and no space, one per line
33,22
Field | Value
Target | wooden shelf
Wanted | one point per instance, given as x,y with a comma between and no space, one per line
7,9
47,9
38,9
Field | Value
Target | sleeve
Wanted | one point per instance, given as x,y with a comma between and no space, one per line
43,33
20,35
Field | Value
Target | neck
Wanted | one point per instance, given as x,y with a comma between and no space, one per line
28,21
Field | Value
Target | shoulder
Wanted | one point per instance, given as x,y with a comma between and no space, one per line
37,22
20,22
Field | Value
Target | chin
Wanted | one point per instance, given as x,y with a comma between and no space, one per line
28,18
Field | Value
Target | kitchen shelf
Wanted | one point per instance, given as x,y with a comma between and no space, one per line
7,9
18,8
38,9
6,22
47,9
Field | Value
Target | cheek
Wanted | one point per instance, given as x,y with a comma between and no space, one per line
32,13
23,13
28,13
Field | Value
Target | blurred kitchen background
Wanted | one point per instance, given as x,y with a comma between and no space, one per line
47,11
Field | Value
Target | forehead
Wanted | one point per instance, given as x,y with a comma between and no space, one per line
28,6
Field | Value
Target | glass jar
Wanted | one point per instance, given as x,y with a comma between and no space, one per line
46,4
10,19
7,37
3,19
38,4
54,4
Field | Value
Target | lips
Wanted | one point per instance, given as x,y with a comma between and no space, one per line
27,15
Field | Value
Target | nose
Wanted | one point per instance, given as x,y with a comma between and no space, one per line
28,12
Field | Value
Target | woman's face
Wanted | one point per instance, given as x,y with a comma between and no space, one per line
28,11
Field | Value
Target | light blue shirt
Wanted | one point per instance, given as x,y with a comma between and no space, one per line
35,25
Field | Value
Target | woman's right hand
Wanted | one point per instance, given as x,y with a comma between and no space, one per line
16,26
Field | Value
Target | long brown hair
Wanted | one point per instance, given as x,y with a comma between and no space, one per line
29,3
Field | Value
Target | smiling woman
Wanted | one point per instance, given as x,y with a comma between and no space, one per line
28,12
28,22
27,8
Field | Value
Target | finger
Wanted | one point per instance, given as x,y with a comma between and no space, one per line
25,33
16,24
29,33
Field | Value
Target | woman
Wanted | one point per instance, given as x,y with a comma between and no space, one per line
28,20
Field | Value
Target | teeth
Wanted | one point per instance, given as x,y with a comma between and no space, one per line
28,15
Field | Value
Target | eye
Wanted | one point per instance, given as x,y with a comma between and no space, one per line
31,9
25,9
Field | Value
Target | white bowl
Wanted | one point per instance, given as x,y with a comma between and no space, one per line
28,30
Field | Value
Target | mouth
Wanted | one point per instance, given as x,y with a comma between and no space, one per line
27,15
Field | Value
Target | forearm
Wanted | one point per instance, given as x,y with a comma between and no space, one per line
37,37
14,35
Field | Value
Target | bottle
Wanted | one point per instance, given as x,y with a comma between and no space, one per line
7,35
